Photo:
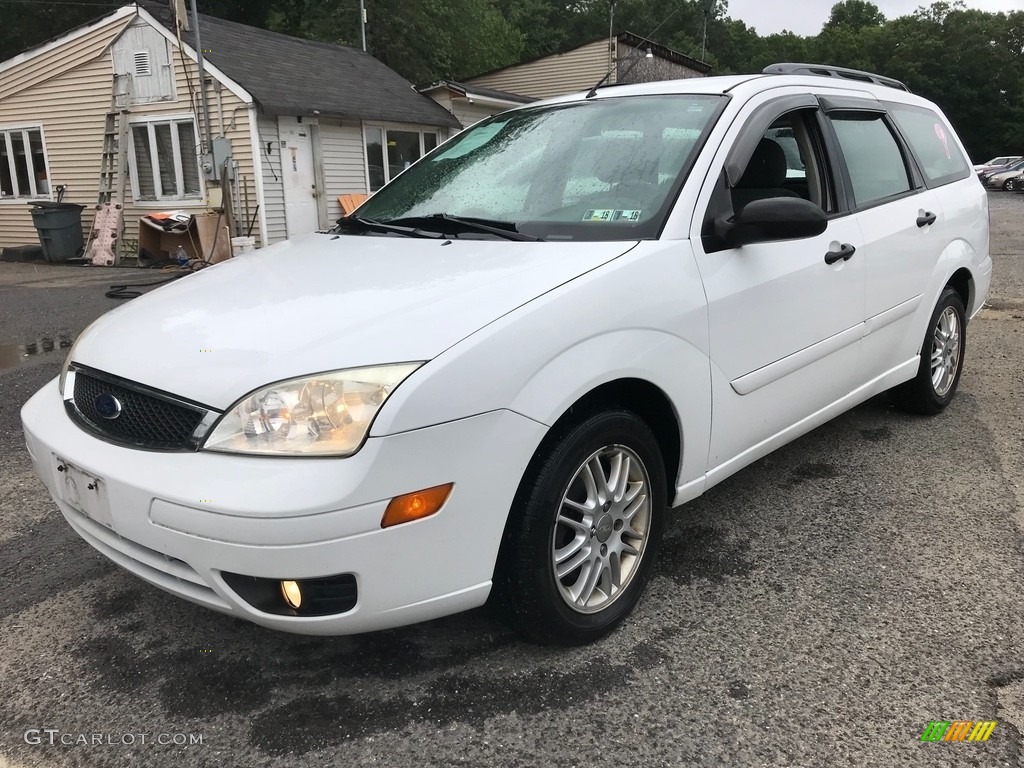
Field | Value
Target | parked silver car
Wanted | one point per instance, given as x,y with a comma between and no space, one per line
1003,179
996,162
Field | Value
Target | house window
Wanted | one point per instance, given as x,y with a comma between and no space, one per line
163,160
389,151
24,171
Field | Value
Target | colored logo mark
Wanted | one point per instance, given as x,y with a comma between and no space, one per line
958,730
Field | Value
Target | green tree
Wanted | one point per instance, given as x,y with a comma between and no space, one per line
539,22
25,25
422,40
434,39
854,15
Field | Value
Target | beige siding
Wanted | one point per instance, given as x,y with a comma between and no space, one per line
273,185
38,69
69,99
468,113
229,117
72,104
341,145
553,75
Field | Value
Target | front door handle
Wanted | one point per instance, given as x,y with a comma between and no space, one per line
928,218
845,252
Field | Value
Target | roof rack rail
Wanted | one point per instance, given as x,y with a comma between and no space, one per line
823,70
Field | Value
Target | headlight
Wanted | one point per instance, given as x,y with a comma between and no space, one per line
324,415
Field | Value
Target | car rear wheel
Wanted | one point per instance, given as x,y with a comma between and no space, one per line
942,359
584,530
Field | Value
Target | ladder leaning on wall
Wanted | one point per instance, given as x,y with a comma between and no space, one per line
103,248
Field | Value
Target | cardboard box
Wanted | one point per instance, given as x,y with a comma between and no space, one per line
199,237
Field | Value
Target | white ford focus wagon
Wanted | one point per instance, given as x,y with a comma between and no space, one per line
495,378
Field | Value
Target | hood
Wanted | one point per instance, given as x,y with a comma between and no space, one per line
323,302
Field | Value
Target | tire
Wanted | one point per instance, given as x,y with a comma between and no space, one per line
551,518
942,359
1008,185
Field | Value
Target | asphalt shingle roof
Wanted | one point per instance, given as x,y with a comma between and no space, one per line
290,76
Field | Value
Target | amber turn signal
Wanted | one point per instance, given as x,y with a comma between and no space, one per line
415,506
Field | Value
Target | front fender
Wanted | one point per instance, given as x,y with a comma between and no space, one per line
641,316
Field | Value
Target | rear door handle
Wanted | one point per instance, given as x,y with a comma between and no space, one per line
928,218
845,252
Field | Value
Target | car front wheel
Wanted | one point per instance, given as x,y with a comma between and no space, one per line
942,359
1008,185
584,529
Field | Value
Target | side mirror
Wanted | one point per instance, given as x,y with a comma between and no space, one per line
775,218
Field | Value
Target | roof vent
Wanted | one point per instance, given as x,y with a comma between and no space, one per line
143,67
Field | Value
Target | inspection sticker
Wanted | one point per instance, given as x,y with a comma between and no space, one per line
608,214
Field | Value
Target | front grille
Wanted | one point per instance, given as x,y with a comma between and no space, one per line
147,419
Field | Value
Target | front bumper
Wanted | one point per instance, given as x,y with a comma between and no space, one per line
178,520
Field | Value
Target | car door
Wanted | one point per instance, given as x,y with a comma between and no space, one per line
901,224
785,317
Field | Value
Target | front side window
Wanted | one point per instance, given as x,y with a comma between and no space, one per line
24,172
788,162
941,160
604,169
389,151
873,157
164,160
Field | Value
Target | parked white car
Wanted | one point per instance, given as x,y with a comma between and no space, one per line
997,162
495,379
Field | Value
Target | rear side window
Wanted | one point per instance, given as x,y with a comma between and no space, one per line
940,158
873,157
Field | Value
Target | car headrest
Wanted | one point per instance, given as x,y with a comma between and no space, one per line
767,167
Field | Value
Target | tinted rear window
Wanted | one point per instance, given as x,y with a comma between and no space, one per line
933,144
873,156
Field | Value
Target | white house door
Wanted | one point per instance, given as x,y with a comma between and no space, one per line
298,176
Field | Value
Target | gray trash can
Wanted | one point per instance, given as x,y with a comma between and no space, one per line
60,229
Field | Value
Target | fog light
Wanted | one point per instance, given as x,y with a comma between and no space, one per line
415,506
292,594
315,596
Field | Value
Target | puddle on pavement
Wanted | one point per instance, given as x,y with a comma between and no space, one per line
13,355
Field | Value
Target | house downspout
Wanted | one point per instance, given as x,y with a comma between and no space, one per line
257,170
318,173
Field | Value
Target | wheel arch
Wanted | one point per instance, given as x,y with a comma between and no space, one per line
648,401
962,281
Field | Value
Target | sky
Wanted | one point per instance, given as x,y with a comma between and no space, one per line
806,17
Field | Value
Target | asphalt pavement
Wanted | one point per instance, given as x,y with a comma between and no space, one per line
820,608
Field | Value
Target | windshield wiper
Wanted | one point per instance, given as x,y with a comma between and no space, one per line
380,226
504,229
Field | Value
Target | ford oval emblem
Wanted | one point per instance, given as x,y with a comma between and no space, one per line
107,406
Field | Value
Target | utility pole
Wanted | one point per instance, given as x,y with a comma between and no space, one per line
708,5
611,35
704,37
362,22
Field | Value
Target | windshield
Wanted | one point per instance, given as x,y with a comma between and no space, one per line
604,169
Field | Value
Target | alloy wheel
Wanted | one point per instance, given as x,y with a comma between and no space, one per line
945,358
601,530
